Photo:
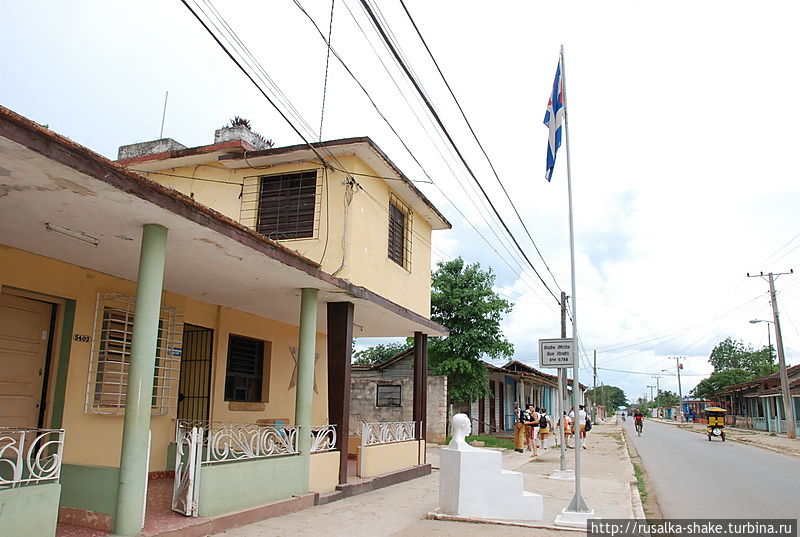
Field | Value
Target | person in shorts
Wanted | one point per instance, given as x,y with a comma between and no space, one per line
545,426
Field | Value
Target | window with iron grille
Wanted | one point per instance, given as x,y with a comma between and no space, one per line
287,205
244,376
111,352
388,396
399,232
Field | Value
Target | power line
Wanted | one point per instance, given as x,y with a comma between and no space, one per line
477,140
444,130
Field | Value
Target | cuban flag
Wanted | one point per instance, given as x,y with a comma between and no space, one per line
553,118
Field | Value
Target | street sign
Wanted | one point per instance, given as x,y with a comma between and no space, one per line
557,352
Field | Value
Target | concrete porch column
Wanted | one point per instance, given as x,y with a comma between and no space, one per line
306,349
420,407
340,348
132,488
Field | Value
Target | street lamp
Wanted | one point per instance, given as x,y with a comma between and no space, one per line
769,336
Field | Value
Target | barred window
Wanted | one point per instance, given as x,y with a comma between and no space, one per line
287,205
244,376
399,232
388,396
111,352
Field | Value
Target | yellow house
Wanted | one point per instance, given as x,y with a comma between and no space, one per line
178,324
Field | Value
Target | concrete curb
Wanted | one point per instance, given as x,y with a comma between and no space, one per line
637,506
433,515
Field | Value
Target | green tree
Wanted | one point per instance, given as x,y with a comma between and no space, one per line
667,399
462,299
610,397
733,354
710,387
378,353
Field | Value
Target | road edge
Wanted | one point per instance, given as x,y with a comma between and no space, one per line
651,509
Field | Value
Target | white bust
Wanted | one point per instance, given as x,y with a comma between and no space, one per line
461,426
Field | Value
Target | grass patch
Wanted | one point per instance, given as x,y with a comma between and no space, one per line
773,434
489,441
641,484
684,426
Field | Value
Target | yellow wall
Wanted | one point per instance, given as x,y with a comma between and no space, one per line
367,261
387,458
96,439
324,472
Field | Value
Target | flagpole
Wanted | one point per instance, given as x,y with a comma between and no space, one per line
577,505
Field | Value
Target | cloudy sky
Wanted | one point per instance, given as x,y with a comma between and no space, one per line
683,117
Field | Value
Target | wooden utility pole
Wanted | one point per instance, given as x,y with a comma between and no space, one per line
788,405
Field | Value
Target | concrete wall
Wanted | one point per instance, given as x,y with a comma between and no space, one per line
226,487
363,399
323,472
29,511
367,263
387,458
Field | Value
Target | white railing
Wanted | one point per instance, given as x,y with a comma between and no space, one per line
234,442
323,438
30,456
388,432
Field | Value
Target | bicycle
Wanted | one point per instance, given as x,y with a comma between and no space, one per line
638,425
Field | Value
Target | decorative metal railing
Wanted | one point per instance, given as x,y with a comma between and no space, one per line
388,432
30,456
233,442
323,438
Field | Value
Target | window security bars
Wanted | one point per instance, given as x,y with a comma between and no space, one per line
245,369
399,232
389,432
111,352
323,438
284,206
30,456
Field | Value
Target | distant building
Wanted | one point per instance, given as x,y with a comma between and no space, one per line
758,404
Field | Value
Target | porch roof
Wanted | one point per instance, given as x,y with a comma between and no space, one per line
794,390
46,179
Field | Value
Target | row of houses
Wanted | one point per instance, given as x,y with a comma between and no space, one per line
759,404
176,327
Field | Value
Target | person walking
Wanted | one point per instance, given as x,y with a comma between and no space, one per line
567,424
534,424
582,420
526,420
519,429
545,426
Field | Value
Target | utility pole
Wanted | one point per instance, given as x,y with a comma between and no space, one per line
651,392
680,393
594,389
788,404
562,472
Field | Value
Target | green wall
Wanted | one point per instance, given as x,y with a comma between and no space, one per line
29,511
232,486
92,488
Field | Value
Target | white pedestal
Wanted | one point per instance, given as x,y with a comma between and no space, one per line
574,519
472,483
563,475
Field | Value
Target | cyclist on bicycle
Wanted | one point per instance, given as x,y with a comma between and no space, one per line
638,419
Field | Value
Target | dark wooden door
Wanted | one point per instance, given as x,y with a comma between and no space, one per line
492,407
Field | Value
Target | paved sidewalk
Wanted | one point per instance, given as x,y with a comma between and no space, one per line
401,510
765,440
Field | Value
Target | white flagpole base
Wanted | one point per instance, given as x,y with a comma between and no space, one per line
574,519
563,475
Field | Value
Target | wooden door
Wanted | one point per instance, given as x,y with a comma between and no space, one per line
492,411
24,341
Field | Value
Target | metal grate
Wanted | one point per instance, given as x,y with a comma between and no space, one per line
387,395
284,206
399,232
245,367
111,351
195,381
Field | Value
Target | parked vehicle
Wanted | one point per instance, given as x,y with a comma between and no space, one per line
716,422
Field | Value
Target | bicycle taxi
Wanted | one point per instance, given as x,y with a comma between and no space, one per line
715,427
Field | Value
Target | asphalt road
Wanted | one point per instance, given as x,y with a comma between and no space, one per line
695,478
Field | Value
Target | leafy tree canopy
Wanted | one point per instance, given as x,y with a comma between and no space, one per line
610,397
667,399
719,380
733,354
378,353
462,299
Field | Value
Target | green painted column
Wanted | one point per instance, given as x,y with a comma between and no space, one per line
132,492
306,349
